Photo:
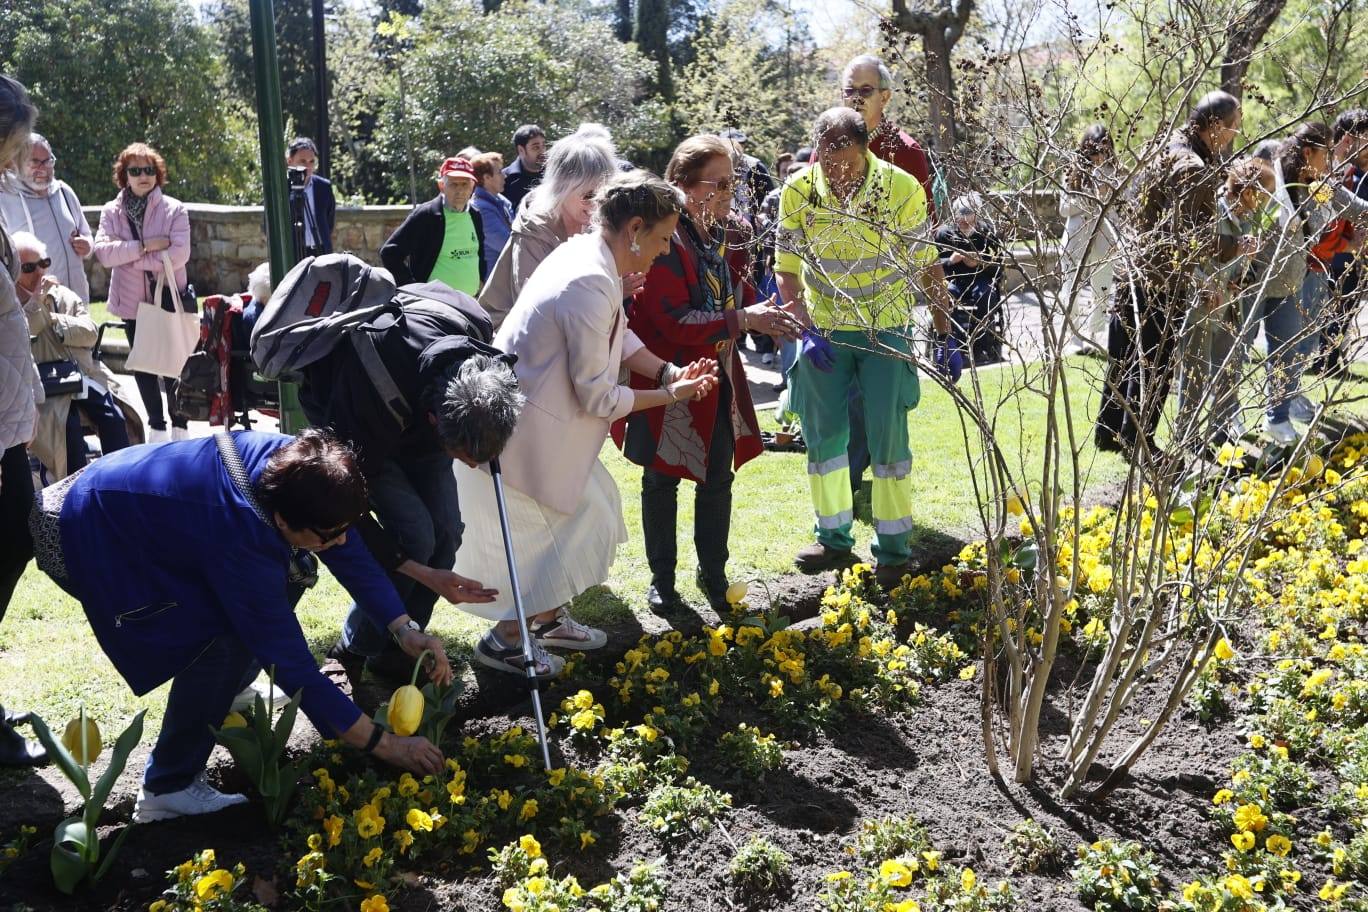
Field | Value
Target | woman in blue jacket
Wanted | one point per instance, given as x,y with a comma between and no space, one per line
183,571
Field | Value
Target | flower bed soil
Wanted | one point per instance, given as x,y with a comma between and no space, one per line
928,764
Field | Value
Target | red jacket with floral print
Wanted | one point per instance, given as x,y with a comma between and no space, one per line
671,317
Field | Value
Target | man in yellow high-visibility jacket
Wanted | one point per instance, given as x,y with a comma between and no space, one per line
852,230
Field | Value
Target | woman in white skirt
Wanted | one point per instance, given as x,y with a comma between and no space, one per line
570,335
1089,237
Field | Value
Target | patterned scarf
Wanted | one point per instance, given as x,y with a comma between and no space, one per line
135,207
713,274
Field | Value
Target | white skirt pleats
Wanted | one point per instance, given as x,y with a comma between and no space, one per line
558,555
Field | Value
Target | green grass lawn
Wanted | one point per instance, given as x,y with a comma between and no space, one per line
51,662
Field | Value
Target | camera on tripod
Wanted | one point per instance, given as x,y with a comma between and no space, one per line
298,175
300,213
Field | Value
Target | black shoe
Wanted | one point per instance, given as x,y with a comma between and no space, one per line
663,599
351,663
393,665
15,751
714,587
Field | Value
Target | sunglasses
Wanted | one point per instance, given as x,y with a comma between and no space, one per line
327,535
723,185
36,265
862,91
139,171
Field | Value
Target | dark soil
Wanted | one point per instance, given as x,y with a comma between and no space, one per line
928,764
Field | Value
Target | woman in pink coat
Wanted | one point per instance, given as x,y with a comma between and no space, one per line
136,227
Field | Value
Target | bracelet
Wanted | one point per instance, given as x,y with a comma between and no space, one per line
660,374
376,734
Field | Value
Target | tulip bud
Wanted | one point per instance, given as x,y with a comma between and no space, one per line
234,720
84,750
736,593
406,710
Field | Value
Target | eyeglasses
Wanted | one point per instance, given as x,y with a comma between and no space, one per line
43,162
36,265
862,91
138,171
725,185
327,535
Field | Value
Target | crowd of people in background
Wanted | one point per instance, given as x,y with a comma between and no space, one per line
567,298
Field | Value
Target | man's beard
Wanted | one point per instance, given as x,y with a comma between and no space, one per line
31,185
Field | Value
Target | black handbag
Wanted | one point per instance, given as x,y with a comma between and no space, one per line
61,378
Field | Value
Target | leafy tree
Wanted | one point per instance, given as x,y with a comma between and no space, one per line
470,79
738,80
105,73
653,39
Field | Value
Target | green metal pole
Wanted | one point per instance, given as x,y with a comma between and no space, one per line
270,129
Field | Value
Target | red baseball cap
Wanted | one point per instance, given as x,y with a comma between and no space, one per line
457,167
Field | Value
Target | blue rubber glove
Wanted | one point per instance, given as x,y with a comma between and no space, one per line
817,349
949,356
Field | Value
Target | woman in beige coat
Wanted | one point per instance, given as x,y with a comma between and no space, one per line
559,208
61,327
570,334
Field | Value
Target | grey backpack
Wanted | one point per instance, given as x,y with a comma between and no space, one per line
313,308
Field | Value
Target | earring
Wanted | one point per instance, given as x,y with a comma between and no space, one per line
635,248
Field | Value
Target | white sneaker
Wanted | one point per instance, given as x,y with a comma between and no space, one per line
1302,409
564,632
180,433
493,652
198,798
158,435
275,697
1281,432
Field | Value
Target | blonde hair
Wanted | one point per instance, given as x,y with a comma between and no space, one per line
17,116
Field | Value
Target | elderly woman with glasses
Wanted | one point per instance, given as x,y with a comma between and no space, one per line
183,558
137,227
559,208
694,306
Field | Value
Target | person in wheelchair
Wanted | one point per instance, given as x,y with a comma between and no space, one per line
972,257
76,385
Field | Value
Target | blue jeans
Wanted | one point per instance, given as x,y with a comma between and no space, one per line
1315,291
1282,322
415,500
109,426
200,697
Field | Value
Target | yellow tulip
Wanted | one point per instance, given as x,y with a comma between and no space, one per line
85,749
407,704
234,720
406,710
1015,505
736,593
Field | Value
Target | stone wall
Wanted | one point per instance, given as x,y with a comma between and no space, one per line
228,242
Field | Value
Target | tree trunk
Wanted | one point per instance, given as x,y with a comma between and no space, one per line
1242,39
622,21
940,90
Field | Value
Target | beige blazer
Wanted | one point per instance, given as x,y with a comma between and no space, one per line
532,238
570,335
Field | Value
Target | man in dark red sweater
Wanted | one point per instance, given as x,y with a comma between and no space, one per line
867,86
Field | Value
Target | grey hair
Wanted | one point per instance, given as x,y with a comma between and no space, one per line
23,240
477,403
636,193
967,204
259,283
577,164
468,153
38,139
869,60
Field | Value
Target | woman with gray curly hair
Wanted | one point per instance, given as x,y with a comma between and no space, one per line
570,336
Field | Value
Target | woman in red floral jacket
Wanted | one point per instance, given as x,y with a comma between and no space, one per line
696,306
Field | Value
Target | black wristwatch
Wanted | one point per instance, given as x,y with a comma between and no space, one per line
376,734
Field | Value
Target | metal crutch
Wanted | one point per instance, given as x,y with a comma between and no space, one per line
529,663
